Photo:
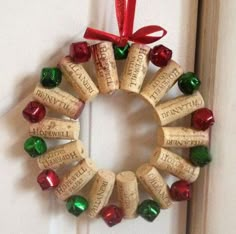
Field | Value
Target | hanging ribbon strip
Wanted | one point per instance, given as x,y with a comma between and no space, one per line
125,11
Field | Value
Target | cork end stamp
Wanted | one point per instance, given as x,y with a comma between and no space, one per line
127,191
135,69
154,184
59,101
100,192
79,79
62,155
161,82
76,179
170,111
181,137
105,65
56,129
174,164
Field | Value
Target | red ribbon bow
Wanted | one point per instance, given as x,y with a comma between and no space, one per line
125,11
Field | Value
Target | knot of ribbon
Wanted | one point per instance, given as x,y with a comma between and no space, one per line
125,12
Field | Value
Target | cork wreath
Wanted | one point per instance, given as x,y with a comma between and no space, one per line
82,170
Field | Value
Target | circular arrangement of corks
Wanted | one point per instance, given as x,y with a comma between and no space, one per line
83,170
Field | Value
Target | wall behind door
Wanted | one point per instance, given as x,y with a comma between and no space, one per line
119,131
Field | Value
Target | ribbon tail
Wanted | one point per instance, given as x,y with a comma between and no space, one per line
129,18
143,34
120,14
94,34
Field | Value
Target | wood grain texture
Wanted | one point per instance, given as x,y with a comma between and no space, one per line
214,203
206,55
37,34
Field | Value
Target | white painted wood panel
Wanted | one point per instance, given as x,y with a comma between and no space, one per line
119,131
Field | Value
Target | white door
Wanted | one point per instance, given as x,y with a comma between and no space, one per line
119,130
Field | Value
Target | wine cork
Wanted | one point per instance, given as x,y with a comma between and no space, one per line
106,70
162,81
128,195
79,79
174,164
62,155
60,101
181,137
178,108
154,184
100,192
76,179
55,128
135,69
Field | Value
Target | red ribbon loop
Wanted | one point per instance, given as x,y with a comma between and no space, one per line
125,12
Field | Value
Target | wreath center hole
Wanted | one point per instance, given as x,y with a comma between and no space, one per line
122,131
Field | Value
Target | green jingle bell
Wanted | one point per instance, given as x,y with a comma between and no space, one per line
121,52
188,83
50,77
149,210
35,146
200,156
76,205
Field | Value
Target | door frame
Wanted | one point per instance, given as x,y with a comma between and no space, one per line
205,67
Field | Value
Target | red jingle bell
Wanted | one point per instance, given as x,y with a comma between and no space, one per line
34,112
80,52
202,119
180,191
48,179
160,55
112,215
